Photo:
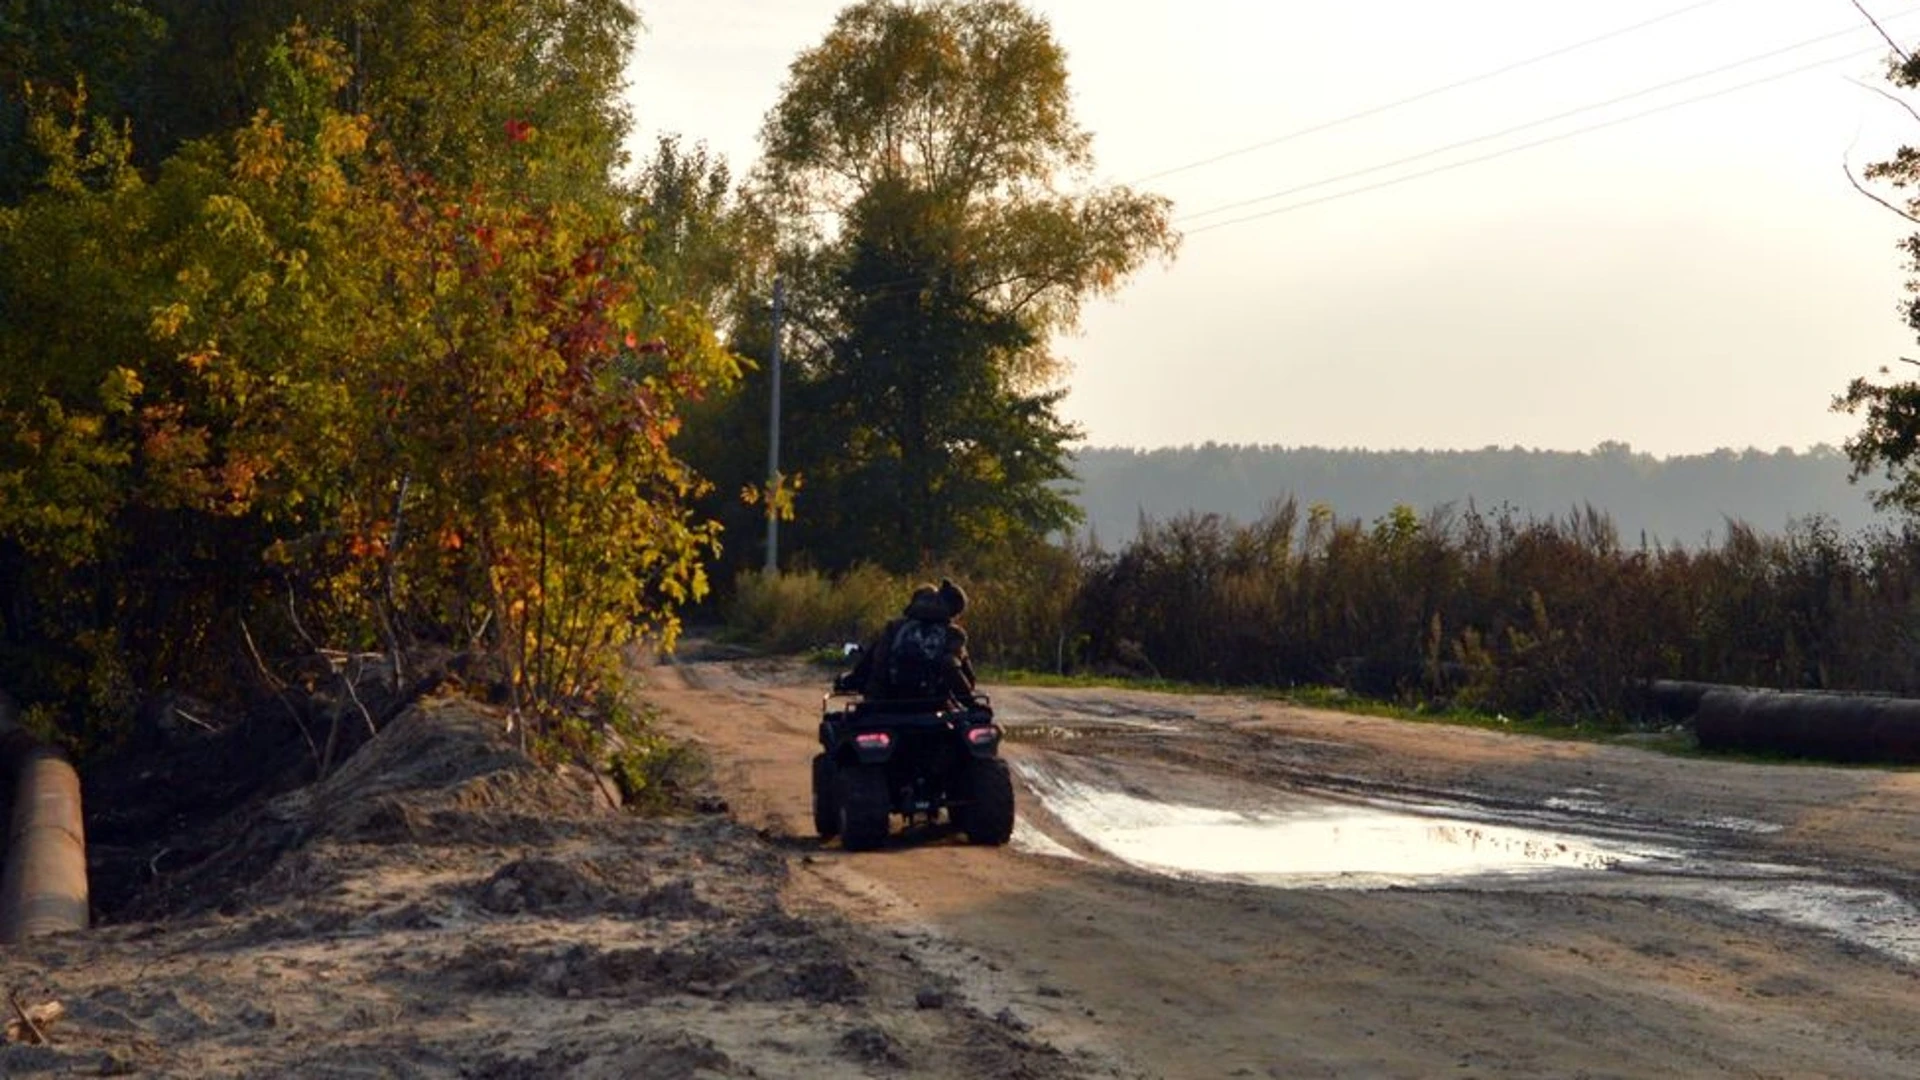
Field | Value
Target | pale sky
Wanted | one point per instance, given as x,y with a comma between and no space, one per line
1697,278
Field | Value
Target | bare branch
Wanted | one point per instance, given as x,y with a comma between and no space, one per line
1890,97
265,671
1856,186
294,613
279,689
354,693
1888,38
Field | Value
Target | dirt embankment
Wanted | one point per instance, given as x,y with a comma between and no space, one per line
440,908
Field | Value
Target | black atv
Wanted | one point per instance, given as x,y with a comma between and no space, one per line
912,758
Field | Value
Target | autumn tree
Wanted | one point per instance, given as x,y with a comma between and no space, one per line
932,184
289,373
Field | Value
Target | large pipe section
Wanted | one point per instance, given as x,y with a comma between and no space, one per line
1841,727
43,882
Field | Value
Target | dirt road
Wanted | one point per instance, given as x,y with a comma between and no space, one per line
1561,909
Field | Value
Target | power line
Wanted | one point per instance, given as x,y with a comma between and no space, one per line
1518,128
885,286
1534,144
1425,94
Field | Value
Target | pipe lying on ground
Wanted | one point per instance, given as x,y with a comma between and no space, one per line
1840,727
1678,699
43,883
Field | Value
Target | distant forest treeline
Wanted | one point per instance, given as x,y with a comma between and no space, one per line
1685,501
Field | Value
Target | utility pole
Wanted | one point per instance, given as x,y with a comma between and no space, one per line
773,436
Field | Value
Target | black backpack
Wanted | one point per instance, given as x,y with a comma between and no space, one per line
915,658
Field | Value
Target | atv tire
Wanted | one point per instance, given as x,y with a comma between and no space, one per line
863,807
826,807
988,816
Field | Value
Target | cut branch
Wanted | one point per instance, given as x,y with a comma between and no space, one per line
30,1027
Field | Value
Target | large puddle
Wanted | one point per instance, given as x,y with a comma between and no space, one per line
1325,844
1301,842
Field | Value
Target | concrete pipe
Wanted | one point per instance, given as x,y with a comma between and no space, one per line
43,883
1678,699
1841,727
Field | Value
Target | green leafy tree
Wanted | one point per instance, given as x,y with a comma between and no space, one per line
56,49
921,155
698,231
440,79
712,242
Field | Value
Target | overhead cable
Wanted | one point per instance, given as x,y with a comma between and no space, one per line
1425,94
1531,124
1724,91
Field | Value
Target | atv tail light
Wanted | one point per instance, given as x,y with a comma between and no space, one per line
873,740
981,735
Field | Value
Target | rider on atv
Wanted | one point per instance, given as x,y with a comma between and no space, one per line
920,656
920,744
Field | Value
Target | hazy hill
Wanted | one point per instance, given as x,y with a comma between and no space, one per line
1681,500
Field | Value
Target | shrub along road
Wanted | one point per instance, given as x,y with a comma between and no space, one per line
1716,918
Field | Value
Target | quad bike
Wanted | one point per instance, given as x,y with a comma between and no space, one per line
911,758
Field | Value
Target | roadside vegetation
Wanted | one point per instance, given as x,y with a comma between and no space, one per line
1552,622
345,340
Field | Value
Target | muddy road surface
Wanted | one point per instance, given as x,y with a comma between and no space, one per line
1218,886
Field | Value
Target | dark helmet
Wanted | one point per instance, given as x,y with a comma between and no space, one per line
927,604
954,596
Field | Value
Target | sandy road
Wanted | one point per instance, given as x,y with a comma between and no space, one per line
1775,937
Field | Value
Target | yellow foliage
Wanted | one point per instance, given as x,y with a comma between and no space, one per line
262,156
118,390
343,136
168,319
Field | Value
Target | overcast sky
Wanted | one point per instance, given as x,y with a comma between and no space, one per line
1696,278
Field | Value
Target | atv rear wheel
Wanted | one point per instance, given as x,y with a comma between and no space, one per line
864,807
988,817
826,807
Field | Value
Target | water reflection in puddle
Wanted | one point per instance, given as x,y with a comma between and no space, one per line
1324,844
1317,844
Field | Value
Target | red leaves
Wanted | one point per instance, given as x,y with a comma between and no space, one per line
187,467
367,545
518,130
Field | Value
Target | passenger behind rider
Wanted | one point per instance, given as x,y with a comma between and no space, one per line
938,607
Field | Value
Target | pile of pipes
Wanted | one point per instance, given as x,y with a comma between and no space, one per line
1833,726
